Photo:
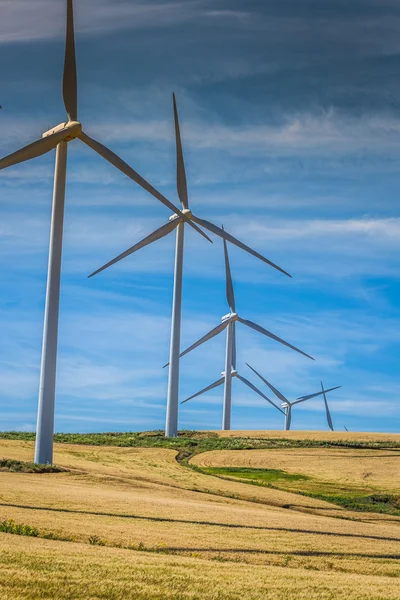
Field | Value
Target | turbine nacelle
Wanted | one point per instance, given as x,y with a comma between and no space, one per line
185,211
229,317
233,373
72,130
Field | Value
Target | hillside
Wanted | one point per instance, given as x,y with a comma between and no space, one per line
144,517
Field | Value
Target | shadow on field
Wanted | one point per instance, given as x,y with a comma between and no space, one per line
215,524
283,553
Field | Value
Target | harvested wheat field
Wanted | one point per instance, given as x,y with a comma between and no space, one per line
379,469
345,436
138,516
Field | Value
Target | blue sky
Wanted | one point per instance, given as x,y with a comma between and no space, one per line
290,124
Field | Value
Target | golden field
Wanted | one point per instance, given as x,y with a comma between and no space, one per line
380,469
343,436
42,569
199,536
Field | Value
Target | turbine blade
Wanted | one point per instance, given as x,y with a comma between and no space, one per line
234,345
318,393
115,160
70,80
230,295
257,391
328,414
205,338
206,389
305,399
35,149
277,393
271,335
181,183
156,235
229,238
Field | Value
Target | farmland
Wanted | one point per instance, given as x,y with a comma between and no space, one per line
201,516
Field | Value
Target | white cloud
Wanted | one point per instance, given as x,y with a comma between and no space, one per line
28,20
307,133
329,143
112,356
383,230
346,247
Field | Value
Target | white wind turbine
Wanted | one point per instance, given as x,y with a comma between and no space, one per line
229,323
58,138
323,392
176,221
287,404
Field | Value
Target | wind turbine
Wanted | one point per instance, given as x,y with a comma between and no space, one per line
287,404
323,392
176,222
58,138
229,323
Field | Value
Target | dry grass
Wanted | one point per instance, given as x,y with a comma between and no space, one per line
139,470
378,469
315,435
35,569
128,496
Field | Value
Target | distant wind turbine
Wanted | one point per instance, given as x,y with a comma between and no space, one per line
287,404
323,392
229,323
58,138
176,222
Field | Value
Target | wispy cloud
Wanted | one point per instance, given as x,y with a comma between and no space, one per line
328,132
28,20
347,246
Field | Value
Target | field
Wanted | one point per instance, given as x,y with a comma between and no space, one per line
243,515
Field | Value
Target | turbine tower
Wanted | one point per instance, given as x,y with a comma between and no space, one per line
58,138
287,404
229,323
177,222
